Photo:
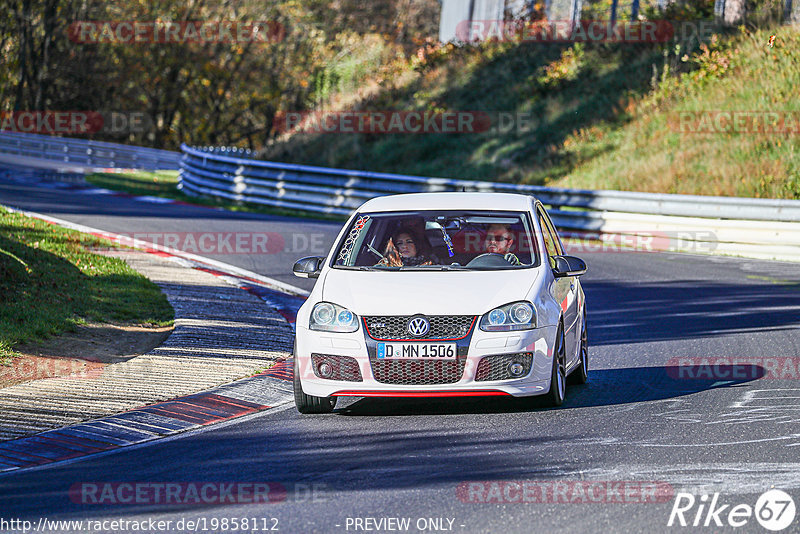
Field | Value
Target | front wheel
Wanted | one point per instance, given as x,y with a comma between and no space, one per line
558,376
309,403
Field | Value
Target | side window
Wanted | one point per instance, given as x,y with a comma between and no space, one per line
554,234
552,227
550,242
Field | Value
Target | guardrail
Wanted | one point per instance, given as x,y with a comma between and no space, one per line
80,155
763,228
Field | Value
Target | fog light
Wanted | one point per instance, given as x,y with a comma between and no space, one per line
516,369
325,370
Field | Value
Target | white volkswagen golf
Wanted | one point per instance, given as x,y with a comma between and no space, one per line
441,295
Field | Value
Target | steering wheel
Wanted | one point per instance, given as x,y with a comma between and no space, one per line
488,259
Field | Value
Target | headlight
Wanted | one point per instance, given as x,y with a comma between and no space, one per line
514,316
332,318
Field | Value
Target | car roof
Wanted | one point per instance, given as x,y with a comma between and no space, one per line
447,201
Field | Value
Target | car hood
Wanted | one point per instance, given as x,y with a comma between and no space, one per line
430,293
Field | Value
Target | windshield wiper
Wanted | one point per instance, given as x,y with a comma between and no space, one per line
434,268
359,267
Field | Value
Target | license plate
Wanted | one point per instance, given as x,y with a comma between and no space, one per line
417,351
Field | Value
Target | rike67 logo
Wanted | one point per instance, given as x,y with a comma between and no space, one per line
774,510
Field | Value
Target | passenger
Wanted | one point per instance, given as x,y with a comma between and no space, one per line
500,240
404,250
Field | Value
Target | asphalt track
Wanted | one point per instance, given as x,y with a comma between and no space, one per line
645,416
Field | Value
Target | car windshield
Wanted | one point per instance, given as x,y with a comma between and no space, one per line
438,240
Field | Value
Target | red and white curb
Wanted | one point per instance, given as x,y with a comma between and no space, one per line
261,392
246,396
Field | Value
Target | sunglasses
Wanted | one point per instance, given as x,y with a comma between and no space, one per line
497,238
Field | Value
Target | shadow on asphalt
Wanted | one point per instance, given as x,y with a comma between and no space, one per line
623,312
606,387
363,454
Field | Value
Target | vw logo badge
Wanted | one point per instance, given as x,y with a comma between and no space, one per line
418,326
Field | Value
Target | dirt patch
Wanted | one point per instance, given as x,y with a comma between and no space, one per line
82,353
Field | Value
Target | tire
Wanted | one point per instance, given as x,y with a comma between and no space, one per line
309,403
581,374
558,377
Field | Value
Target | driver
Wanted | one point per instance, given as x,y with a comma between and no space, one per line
500,240
404,250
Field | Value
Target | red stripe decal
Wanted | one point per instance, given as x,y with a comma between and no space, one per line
477,393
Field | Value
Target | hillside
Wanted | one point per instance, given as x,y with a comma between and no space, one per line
599,115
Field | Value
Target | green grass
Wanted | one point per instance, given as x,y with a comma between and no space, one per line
164,184
50,282
157,184
601,117
650,154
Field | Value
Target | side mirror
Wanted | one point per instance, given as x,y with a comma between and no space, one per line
308,267
567,266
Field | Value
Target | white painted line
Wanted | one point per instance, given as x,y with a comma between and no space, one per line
203,261
97,191
155,200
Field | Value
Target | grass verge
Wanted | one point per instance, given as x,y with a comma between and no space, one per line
603,116
50,282
652,153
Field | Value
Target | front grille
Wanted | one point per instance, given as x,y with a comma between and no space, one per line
395,327
418,371
344,367
496,367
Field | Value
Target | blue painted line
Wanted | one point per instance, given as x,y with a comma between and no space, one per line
13,462
109,436
132,425
192,408
4,466
139,416
181,409
41,450
125,433
77,432
195,419
224,404
68,445
88,446
14,456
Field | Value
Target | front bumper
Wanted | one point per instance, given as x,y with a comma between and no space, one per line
538,341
